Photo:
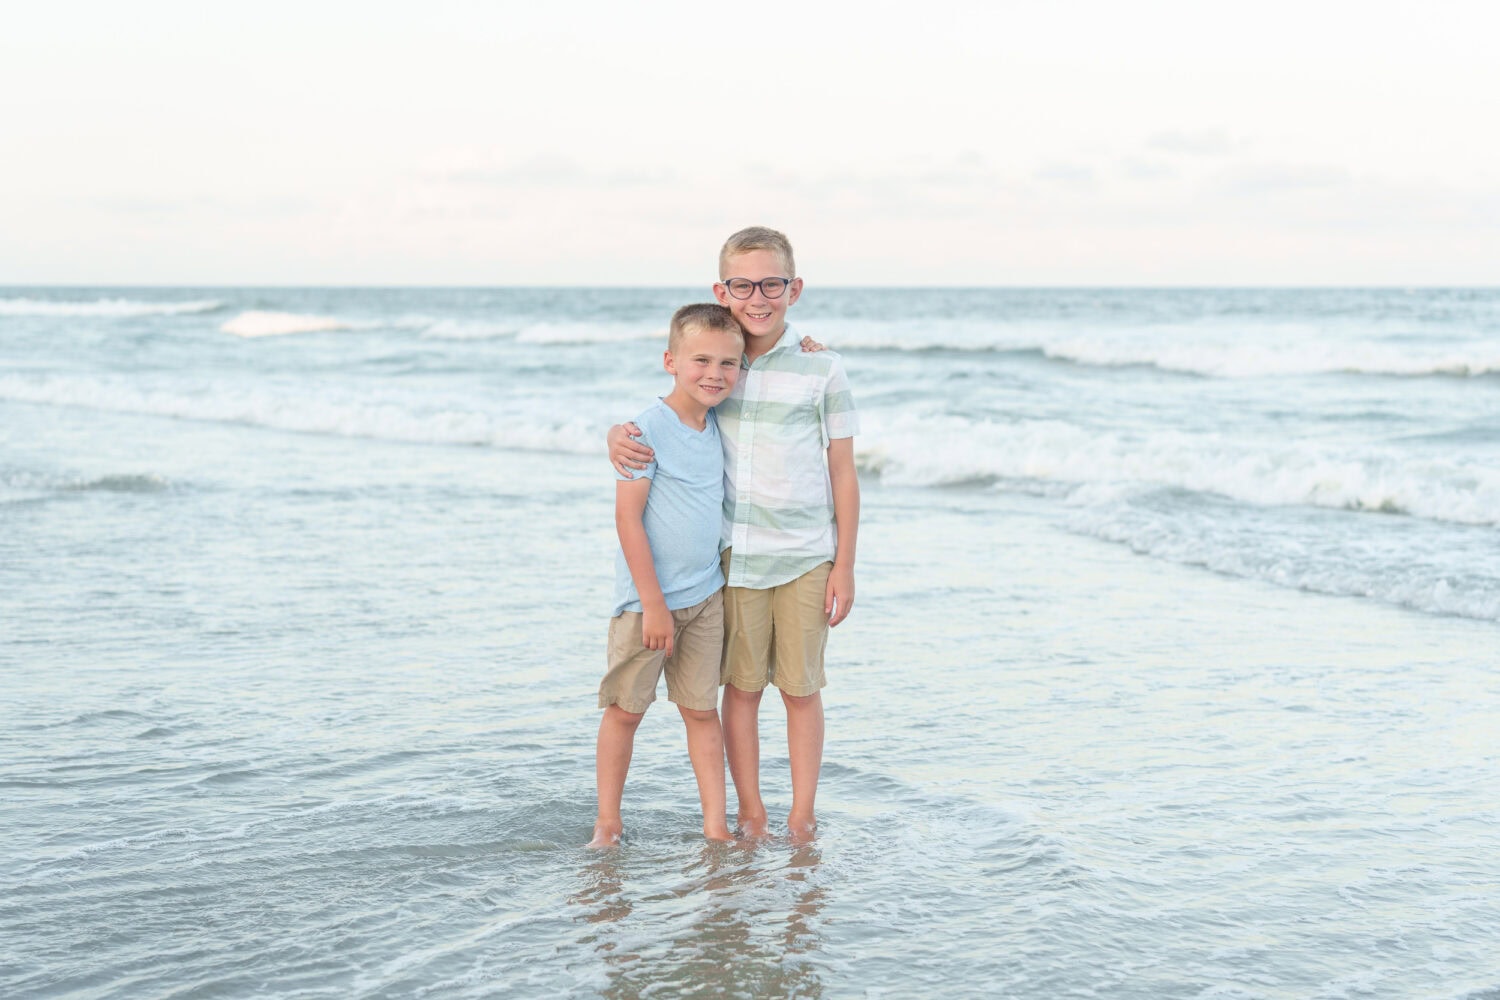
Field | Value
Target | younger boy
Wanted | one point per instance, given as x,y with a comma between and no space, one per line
669,609
791,516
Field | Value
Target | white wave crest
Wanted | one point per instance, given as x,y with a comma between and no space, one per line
1262,360
124,308
1413,584
588,333
280,324
390,419
943,450
33,482
453,329
1215,351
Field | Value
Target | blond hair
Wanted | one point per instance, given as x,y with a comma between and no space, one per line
701,316
758,238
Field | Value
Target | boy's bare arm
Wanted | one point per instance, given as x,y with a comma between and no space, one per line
625,452
630,509
838,601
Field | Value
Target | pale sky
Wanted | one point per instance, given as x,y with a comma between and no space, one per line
936,143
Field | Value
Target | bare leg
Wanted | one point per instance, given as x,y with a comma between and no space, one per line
804,739
611,764
741,710
705,740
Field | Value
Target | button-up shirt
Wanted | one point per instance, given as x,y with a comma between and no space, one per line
775,426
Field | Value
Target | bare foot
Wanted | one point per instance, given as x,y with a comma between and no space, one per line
719,831
753,827
607,833
802,831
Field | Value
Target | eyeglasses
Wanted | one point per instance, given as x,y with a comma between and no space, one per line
771,288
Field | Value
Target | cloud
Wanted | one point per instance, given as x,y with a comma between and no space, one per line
205,206
483,169
1065,173
1273,178
923,185
1137,169
1193,142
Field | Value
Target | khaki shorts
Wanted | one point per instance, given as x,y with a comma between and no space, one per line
692,670
777,636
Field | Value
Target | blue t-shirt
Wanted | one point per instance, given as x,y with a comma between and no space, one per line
684,510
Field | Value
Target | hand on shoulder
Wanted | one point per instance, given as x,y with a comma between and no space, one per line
626,453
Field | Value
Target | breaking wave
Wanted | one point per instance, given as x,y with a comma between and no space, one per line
280,324
104,307
937,451
1435,575
1216,351
389,419
588,333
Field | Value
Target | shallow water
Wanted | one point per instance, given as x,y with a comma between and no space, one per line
308,710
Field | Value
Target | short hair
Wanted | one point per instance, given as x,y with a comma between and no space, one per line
758,238
702,316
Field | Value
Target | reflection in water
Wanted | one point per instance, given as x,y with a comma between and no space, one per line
602,888
738,920
800,937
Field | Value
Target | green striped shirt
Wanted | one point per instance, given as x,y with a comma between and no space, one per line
775,426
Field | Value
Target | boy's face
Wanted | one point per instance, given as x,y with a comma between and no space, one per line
759,316
706,364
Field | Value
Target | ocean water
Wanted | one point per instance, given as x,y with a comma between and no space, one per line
1173,671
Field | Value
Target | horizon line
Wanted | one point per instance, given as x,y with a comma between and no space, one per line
1385,286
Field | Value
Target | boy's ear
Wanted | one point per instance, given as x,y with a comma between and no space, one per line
794,291
668,363
721,293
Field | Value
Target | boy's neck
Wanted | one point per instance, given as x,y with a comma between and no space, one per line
756,346
691,412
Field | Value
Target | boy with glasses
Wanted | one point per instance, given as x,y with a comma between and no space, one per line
791,517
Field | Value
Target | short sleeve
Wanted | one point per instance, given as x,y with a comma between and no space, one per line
840,419
649,472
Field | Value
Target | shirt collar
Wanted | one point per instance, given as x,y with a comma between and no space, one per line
788,341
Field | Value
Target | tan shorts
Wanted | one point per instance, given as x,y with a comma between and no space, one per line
692,670
777,636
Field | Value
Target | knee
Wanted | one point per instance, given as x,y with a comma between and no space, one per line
619,717
795,702
697,715
735,695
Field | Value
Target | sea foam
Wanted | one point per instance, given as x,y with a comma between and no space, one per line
280,324
1214,351
588,333
28,483
452,329
945,450
1291,358
393,418
1412,580
105,307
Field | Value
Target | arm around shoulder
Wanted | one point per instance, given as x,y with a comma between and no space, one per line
625,452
